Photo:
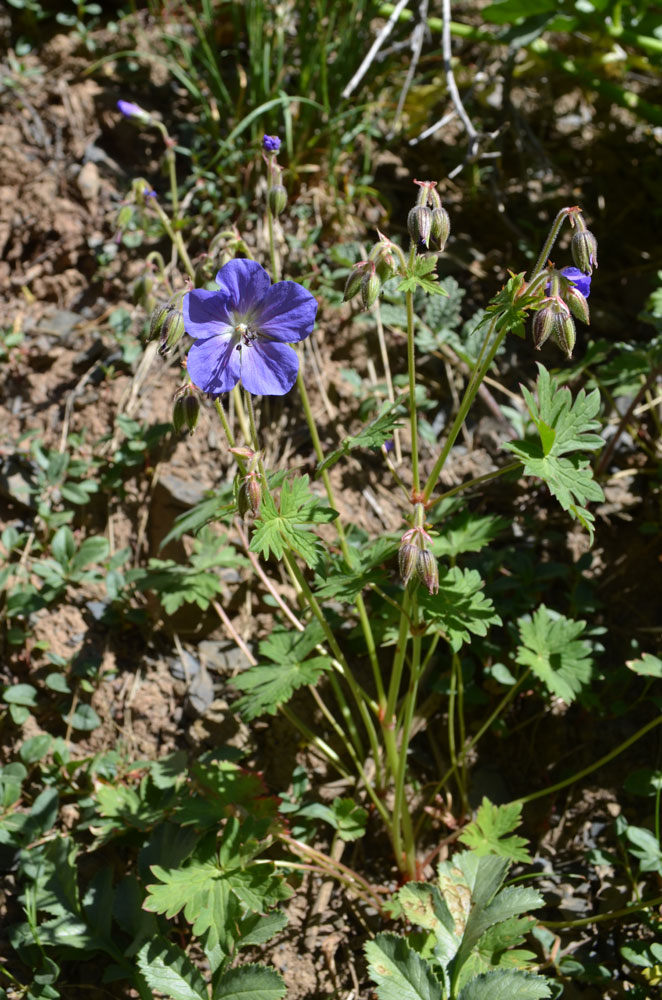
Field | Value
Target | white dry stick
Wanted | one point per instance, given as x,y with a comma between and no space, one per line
416,43
374,48
452,86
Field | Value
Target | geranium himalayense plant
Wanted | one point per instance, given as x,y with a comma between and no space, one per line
243,331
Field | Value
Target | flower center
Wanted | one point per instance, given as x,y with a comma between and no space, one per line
244,335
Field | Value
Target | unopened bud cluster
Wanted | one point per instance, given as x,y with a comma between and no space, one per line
428,221
186,408
565,292
369,276
416,561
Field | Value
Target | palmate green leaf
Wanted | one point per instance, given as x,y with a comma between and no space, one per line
176,584
400,973
488,832
373,435
289,527
467,533
424,276
168,969
551,647
203,891
460,609
270,685
506,984
646,666
565,427
250,982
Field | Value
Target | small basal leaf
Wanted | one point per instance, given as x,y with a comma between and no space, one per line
647,665
250,982
270,685
488,832
460,609
555,653
400,973
506,984
467,533
168,969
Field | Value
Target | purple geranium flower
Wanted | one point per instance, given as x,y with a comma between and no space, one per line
242,331
271,143
581,281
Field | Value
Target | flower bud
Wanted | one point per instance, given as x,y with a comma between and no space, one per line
385,267
543,322
141,190
426,568
353,283
277,199
419,224
584,249
131,110
565,333
156,320
440,226
249,496
578,304
178,414
271,143
407,561
371,286
186,408
172,330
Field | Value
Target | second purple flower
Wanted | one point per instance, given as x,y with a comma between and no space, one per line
241,331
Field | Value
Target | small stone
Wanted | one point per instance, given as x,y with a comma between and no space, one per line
88,181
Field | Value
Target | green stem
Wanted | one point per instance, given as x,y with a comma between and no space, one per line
645,904
175,238
508,697
315,741
477,480
452,747
401,814
363,701
270,228
411,367
360,603
549,242
592,767
470,394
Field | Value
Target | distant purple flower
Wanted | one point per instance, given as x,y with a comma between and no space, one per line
131,110
271,143
242,331
581,281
